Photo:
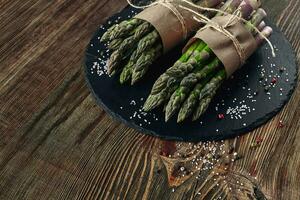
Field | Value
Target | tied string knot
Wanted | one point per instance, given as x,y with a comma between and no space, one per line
236,15
201,18
223,29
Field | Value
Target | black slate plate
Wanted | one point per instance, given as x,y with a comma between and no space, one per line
243,110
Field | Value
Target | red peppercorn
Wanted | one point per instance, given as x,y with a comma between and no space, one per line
221,116
274,80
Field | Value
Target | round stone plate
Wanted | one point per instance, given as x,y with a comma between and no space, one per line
242,99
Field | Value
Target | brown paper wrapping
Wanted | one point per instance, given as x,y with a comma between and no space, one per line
167,23
223,46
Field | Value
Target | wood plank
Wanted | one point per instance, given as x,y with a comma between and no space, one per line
56,143
37,59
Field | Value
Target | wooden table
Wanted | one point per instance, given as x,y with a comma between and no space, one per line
56,143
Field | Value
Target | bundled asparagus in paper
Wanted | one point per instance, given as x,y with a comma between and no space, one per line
197,55
210,69
138,44
206,94
199,77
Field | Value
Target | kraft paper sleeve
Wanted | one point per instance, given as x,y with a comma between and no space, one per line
167,23
223,47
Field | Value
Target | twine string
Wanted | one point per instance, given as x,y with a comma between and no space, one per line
179,17
225,13
237,12
168,4
142,7
221,29
208,22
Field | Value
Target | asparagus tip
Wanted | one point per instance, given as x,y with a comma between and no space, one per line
113,73
109,67
199,113
103,38
134,80
146,108
152,102
110,71
172,106
195,118
167,118
148,104
122,81
180,118
168,115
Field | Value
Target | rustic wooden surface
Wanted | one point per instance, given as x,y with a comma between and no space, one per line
56,143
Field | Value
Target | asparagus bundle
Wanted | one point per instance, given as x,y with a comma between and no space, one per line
208,92
137,43
188,107
198,80
197,55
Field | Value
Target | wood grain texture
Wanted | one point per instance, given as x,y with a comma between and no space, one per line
56,143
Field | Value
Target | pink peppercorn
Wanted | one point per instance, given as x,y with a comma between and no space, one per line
221,116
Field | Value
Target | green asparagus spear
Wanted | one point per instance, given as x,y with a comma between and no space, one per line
120,30
145,43
127,70
105,37
127,46
188,107
208,92
160,92
114,44
125,28
187,84
144,62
